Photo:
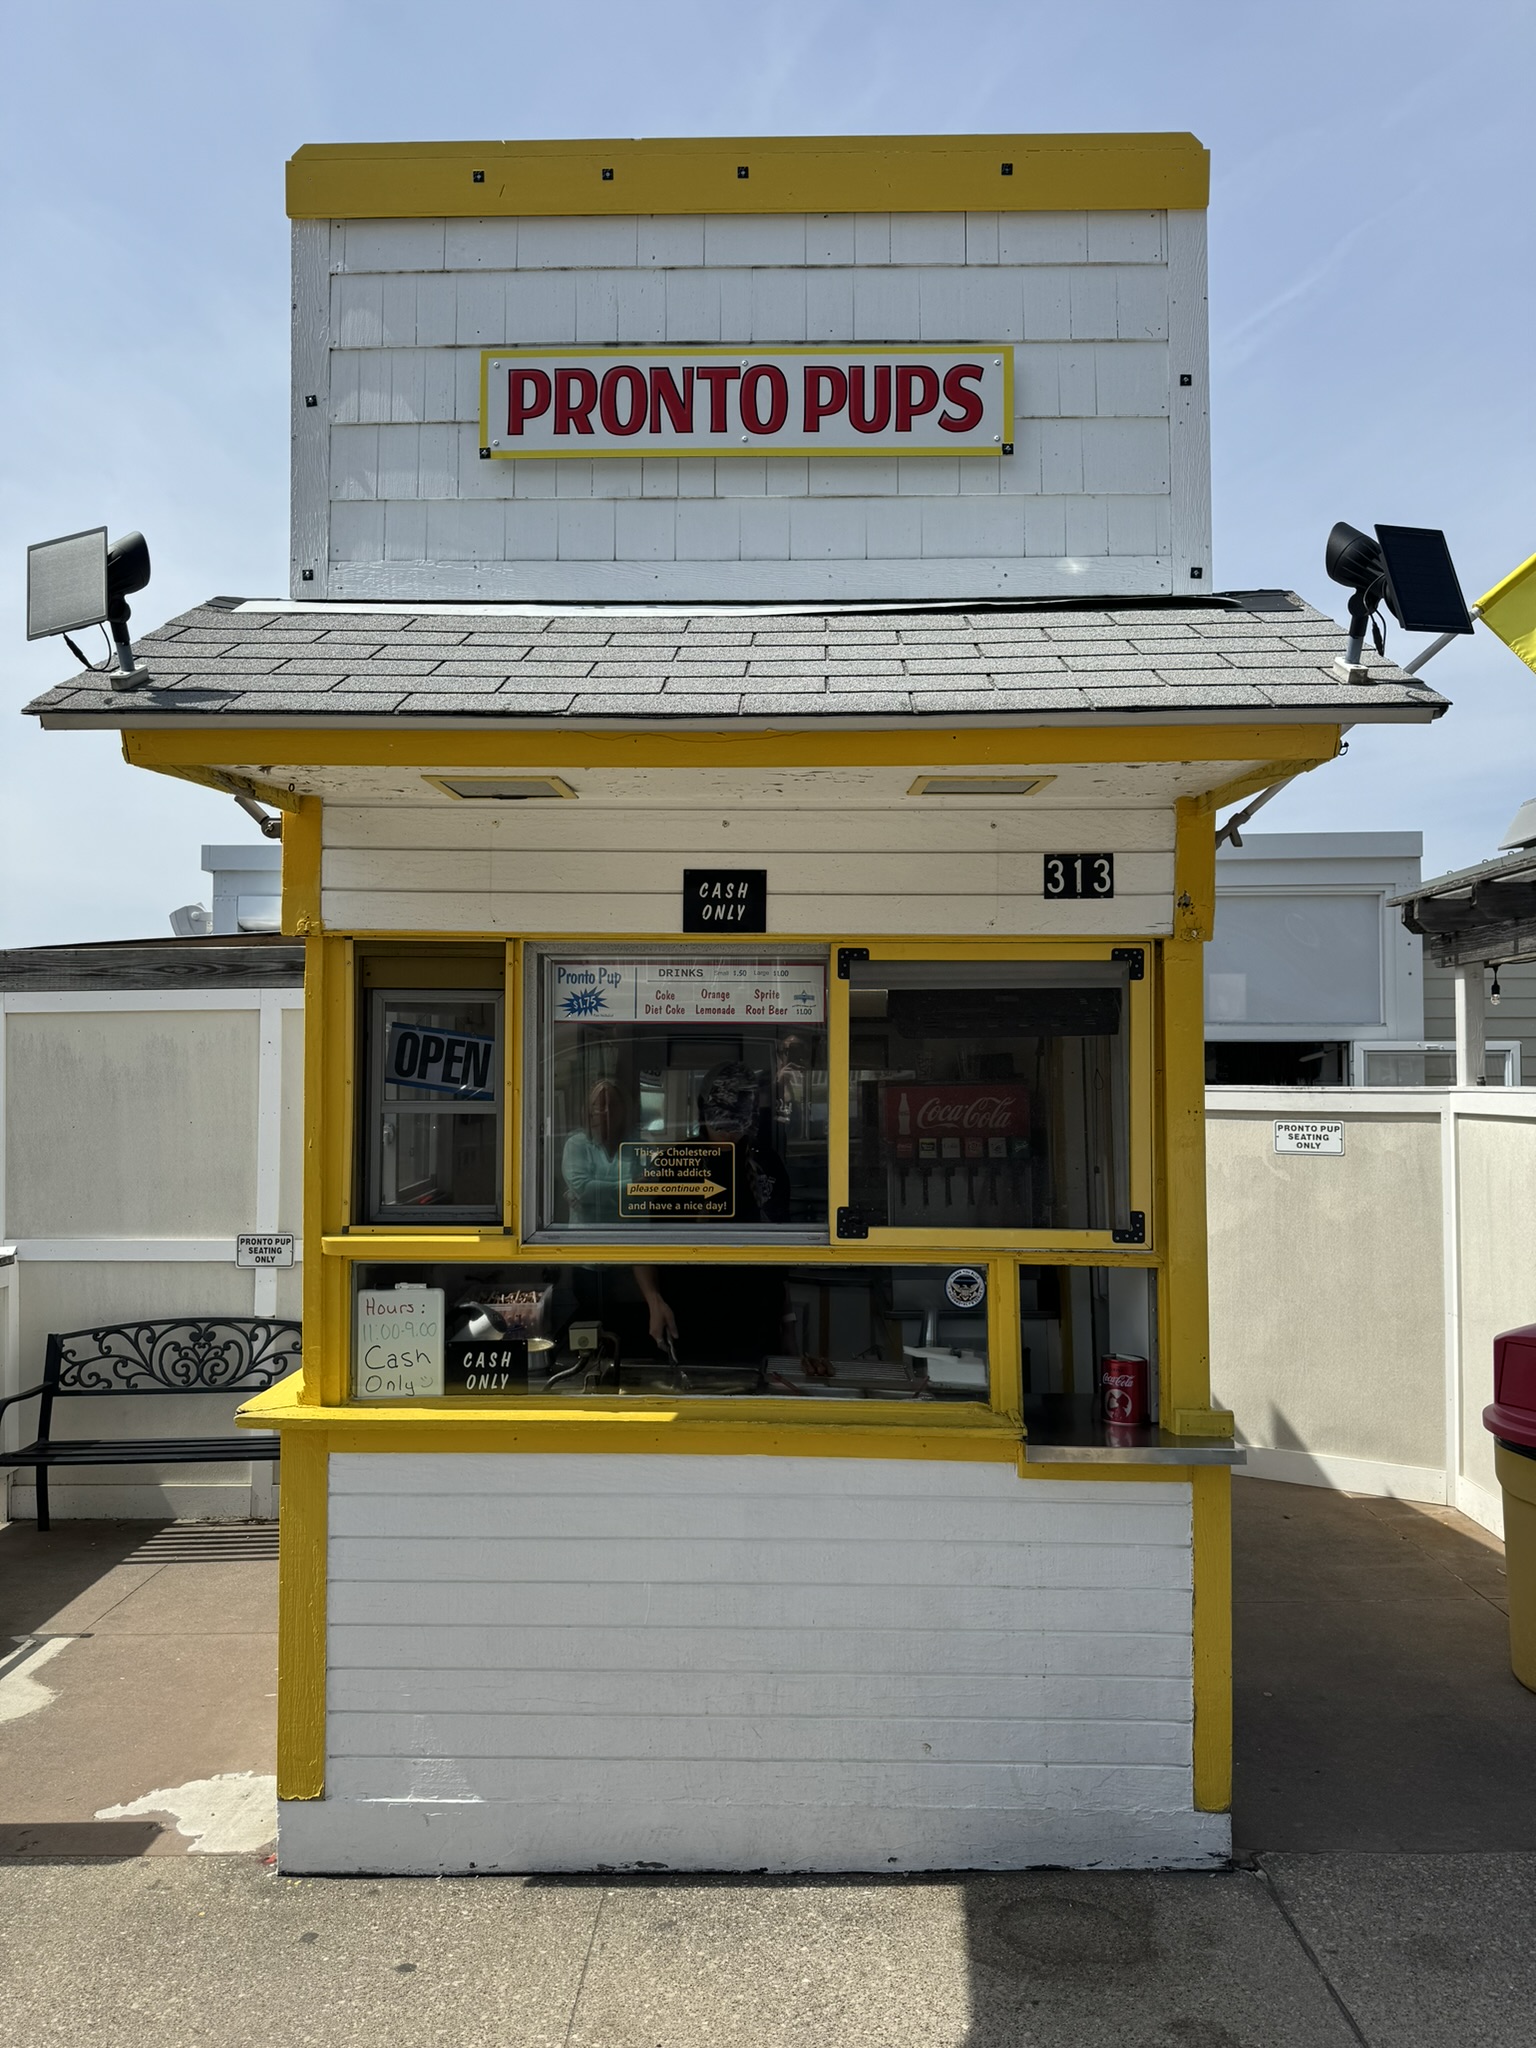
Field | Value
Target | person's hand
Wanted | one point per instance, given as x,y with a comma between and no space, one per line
816,1368
663,1324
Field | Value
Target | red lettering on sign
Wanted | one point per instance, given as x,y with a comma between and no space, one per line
575,396
822,378
676,403
752,415
527,398
717,376
621,377
878,417
956,382
917,392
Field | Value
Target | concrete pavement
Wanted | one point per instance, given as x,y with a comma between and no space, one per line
1386,1812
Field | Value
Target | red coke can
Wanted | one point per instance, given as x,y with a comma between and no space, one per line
1123,1389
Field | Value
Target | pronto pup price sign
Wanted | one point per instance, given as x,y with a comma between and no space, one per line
781,401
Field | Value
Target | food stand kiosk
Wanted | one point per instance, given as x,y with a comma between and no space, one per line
748,723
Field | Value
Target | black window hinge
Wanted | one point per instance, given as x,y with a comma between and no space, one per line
1135,958
1137,1233
851,1223
846,955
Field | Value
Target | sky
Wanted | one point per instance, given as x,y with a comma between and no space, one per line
1372,303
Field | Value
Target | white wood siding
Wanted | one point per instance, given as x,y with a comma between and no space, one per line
560,1662
1108,490
583,867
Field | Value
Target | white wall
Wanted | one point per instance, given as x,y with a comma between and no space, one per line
1108,490
561,1662
1355,1299
595,866
140,1131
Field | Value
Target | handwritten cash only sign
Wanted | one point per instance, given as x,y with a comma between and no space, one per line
398,1343
662,1182
688,991
724,401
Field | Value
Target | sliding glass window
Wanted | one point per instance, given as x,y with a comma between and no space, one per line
989,1094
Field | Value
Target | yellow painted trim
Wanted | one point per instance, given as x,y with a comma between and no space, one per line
786,174
230,784
838,994
1251,782
1184,1322
1005,1362
555,744
312,1280
512,1094
1211,1501
301,868
385,1242
301,1613
492,449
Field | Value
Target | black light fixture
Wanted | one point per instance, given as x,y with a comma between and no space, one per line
78,581
1407,568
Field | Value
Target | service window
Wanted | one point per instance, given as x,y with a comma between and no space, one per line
788,1331
1088,1340
989,1095
680,1097
432,1140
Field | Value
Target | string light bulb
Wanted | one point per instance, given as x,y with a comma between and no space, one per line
1495,992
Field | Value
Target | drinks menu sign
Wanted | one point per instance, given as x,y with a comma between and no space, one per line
828,400
688,990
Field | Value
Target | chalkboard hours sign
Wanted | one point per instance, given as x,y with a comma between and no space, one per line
1080,874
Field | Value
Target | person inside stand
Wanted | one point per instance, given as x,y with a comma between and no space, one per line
719,1314
590,1161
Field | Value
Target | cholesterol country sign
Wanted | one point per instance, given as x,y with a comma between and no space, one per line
730,401
659,1182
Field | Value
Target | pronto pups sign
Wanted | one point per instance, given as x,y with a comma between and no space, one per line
781,401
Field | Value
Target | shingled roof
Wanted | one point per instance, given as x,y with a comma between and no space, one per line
1256,654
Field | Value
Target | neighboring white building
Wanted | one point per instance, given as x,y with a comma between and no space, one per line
247,887
1312,979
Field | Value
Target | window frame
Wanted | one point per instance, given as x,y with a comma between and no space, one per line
448,1216
1141,1165
630,1238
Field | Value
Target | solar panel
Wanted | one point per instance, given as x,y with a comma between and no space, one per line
67,583
1424,594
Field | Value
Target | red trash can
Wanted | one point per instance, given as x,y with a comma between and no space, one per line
1511,1420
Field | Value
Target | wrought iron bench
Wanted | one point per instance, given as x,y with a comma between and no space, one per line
176,1355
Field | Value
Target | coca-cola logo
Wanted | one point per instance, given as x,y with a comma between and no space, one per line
985,1113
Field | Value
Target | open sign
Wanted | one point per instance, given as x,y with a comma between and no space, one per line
453,1063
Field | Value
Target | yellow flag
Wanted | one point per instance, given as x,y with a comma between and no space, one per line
1509,610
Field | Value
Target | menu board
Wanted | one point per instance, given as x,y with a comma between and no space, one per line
689,989
660,1182
397,1338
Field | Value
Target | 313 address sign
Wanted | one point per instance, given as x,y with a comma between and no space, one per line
1080,874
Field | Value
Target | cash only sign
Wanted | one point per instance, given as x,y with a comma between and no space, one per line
733,401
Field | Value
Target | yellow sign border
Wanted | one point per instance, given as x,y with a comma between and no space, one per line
600,352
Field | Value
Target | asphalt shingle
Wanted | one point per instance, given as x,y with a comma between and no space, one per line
1270,652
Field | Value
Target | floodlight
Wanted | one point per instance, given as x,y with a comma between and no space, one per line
67,583
79,581
1408,568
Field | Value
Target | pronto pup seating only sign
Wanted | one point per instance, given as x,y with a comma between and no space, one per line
785,401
